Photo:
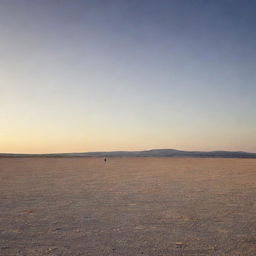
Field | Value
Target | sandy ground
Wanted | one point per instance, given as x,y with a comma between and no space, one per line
128,206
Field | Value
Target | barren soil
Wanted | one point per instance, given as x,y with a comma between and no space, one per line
127,206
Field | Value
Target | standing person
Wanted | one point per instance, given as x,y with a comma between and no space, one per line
105,159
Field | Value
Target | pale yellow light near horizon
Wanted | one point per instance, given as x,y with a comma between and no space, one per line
52,125
44,139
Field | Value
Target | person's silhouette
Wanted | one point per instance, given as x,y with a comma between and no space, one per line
105,159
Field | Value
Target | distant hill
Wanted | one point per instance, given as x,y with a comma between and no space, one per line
144,153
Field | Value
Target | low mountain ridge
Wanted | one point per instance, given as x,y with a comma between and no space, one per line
144,153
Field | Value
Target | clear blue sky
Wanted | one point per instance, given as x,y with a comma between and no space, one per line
127,75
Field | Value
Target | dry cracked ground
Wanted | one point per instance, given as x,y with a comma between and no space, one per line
127,206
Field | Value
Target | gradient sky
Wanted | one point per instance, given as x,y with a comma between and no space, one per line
127,75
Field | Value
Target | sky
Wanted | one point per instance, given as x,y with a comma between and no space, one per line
96,75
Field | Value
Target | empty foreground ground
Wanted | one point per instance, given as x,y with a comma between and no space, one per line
128,206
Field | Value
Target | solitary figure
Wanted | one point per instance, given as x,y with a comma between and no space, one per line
105,159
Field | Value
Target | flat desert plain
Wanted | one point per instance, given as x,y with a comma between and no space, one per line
127,206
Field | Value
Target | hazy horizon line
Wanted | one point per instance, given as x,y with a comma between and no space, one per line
108,151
